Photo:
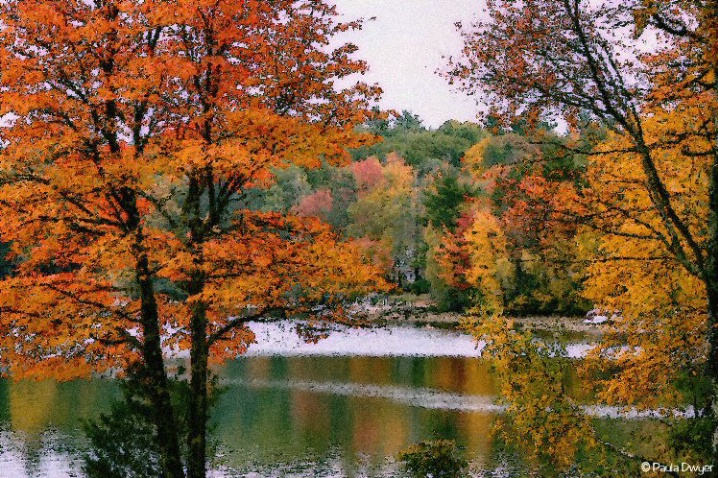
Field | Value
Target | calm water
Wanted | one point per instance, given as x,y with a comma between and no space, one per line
288,410
369,407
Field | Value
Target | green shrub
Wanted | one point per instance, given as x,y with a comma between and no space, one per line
434,459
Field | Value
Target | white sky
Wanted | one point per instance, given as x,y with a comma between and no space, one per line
404,48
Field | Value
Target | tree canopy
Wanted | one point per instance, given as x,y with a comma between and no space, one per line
137,129
644,215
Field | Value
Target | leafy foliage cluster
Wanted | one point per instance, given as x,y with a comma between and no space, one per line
634,216
434,459
413,215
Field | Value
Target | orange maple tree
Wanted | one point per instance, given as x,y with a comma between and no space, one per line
136,129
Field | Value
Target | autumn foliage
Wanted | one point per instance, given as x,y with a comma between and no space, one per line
136,130
635,84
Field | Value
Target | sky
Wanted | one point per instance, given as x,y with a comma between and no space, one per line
404,47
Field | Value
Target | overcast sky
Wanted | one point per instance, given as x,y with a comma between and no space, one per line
404,48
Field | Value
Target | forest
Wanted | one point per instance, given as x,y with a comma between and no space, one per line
416,199
177,178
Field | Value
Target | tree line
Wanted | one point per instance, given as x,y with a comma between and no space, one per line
411,198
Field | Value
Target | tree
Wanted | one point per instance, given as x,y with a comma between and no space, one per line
78,79
444,198
388,214
368,174
527,190
438,459
664,319
139,128
318,204
421,148
290,186
447,263
505,194
539,58
543,417
651,357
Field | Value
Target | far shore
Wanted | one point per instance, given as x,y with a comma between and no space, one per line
419,311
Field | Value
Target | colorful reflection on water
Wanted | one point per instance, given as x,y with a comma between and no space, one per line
277,409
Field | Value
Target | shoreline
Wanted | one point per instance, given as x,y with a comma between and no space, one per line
426,316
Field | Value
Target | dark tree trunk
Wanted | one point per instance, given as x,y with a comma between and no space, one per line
198,411
711,273
712,290
198,407
154,377
712,368
711,281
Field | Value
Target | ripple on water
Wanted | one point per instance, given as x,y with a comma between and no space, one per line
50,457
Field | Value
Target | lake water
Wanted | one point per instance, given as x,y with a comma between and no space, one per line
343,407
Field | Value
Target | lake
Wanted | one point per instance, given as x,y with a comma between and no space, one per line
343,407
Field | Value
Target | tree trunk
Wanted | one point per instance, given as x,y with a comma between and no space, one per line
154,377
711,281
713,332
198,400
198,411
712,368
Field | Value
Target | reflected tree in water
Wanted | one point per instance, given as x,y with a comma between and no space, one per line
123,443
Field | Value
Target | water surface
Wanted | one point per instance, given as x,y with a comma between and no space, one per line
343,407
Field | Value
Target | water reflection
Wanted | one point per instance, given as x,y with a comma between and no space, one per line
40,425
279,410
278,407
34,406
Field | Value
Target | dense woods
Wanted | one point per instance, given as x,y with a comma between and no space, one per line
419,200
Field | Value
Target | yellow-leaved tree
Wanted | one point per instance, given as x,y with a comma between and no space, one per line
649,212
